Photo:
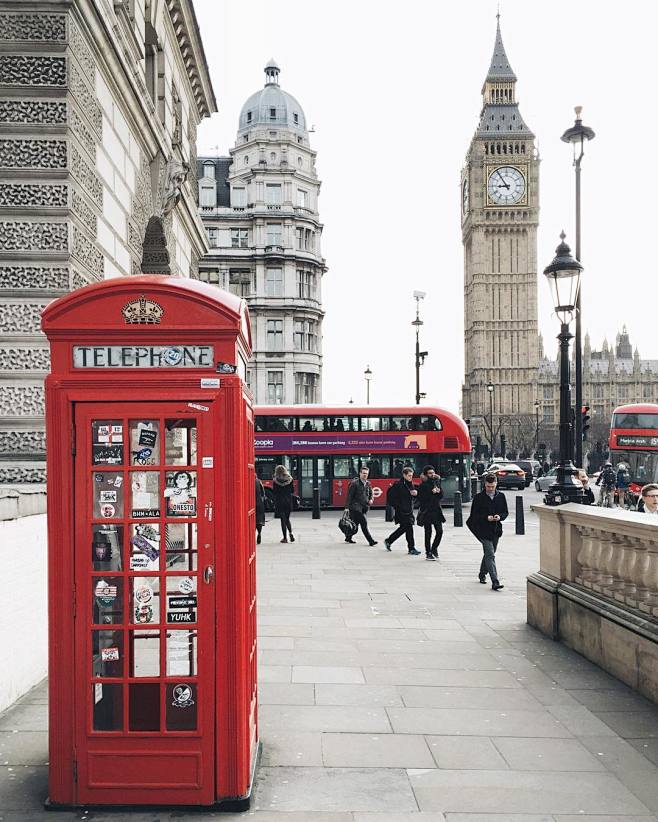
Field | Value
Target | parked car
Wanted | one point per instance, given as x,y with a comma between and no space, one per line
531,468
509,474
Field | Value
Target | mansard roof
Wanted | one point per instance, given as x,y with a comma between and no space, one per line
498,120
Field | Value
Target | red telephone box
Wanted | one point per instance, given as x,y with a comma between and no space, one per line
152,600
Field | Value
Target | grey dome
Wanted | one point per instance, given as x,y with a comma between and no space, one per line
271,106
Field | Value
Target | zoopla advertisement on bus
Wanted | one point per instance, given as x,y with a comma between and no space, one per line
293,443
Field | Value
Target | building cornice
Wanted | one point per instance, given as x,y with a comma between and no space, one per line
187,33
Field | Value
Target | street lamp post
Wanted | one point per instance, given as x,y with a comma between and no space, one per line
490,389
563,275
420,355
577,135
368,375
536,427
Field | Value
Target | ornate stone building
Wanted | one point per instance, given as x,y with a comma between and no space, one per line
614,375
500,213
99,106
260,210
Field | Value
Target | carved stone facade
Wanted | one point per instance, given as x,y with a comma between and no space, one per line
86,141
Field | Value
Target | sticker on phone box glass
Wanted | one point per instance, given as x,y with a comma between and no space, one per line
139,562
148,437
140,542
182,696
105,593
182,602
145,513
181,616
109,654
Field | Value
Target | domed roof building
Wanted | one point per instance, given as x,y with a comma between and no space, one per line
260,210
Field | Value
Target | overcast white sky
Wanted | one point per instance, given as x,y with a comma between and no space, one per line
393,90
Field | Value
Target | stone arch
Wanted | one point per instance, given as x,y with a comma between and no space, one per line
155,254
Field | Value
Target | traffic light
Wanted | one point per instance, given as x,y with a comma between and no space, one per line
585,417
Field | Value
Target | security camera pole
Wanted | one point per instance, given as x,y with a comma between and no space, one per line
420,355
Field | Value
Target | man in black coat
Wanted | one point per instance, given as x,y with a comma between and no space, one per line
429,498
488,510
401,496
359,499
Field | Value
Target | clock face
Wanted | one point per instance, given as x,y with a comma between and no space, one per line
465,196
506,185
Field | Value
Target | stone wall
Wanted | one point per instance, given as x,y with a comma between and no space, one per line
597,589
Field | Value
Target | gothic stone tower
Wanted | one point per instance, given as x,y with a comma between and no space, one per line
500,210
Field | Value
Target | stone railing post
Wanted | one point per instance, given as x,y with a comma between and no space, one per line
631,550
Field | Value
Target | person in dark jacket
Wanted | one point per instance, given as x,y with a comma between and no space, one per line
607,479
588,494
401,496
282,490
260,509
488,510
359,499
429,498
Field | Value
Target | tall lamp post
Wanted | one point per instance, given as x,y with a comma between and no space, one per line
563,275
577,135
420,355
368,375
536,427
490,389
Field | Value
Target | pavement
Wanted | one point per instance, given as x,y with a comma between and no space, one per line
398,690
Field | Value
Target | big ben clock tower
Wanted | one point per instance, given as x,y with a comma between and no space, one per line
500,211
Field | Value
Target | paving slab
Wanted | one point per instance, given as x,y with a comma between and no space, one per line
386,695
547,755
466,753
375,751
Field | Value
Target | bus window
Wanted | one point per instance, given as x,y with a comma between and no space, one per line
260,423
344,468
279,423
375,466
310,424
370,424
265,467
396,468
340,424
430,423
399,423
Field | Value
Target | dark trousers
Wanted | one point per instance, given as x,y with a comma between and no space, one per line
407,529
488,564
359,518
432,547
285,523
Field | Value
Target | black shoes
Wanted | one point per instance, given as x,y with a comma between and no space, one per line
413,552
374,542
387,544
483,580
351,541
258,540
497,586
292,539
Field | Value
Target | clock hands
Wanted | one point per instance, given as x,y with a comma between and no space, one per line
501,179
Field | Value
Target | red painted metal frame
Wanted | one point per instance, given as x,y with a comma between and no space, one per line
193,313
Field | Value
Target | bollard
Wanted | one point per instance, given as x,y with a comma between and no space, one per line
520,521
316,504
474,486
458,518
389,514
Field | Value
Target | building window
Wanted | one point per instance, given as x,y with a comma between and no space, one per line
548,413
213,237
274,234
647,391
248,378
238,197
302,198
273,194
597,392
305,238
275,387
295,118
272,114
306,283
248,116
245,162
622,392
305,387
213,278
240,282
207,195
548,392
275,335
274,282
305,336
209,171
238,238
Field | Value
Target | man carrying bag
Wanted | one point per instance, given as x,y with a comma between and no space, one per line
359,499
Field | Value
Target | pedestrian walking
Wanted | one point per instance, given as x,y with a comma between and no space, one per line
401,496
588,494
607,479
260,509
282,489
359,500
488,510
649,499
430,515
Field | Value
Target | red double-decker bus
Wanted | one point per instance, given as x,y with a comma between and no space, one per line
634,442
325,447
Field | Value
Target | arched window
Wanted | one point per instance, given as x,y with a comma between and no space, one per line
209,171
246,160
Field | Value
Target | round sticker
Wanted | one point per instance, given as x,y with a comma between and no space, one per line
143,614
143,594
105,593
172,356
182,695
107,511
186,585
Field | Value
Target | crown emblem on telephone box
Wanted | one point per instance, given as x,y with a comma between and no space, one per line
142,312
